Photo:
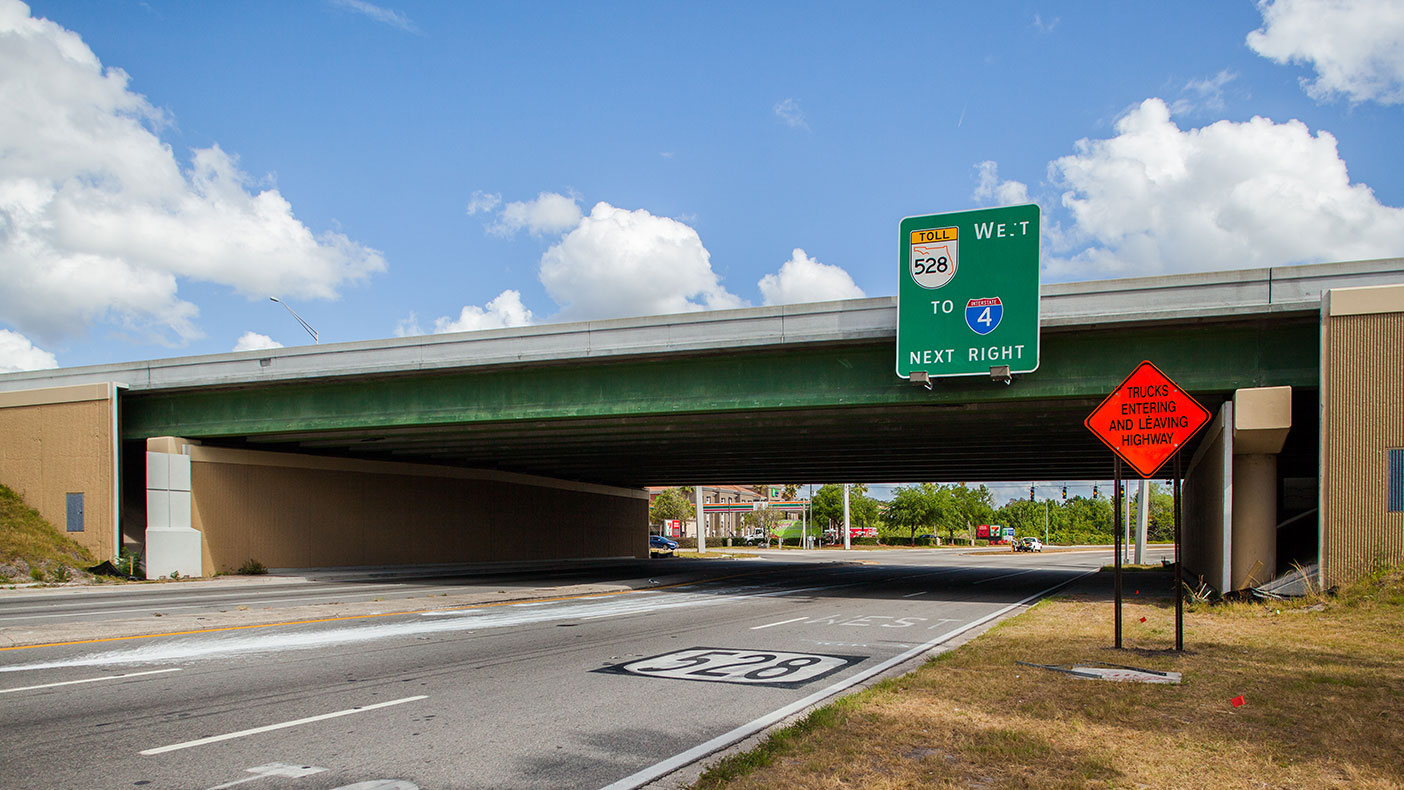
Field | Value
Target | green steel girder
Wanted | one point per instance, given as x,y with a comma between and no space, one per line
1209,358
821,412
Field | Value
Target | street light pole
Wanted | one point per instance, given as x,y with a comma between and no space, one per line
305,325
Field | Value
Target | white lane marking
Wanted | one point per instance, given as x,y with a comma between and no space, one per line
915,594
1008,575
281,725
782,622
88,680
726,739
273,769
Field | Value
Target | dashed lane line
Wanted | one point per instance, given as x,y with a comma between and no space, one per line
279,726
89,680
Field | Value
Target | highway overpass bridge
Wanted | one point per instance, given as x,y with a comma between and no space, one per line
528,443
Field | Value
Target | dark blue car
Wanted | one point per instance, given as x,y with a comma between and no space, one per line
657,544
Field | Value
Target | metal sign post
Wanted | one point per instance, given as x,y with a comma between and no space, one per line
1179,575
1116,541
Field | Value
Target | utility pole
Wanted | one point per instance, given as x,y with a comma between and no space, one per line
1045,522
701,521
804,528
846,542
1126,528
1144,523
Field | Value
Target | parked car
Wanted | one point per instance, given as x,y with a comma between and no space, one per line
1028,544
658,545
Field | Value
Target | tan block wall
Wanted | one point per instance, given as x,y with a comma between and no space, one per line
1363,417
59,441
289,511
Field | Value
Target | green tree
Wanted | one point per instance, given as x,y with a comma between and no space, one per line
1024,516
970,506
919,507
1162,516
827,507
671,503
1081,520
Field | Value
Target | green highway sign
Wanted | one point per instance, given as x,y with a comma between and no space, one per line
967,298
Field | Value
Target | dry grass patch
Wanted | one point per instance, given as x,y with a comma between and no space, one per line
1323,681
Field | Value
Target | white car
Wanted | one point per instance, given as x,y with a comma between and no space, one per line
1028,544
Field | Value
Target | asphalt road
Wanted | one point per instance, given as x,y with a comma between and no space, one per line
615,689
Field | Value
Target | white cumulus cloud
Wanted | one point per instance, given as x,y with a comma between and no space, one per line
18,353
253,341
990,191
1355,46
618,262
804,279
549,214
100,222
1157,199
506,310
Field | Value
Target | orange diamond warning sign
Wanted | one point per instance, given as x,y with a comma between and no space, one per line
1147,419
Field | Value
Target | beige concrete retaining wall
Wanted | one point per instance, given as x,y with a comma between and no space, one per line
60,441
295,511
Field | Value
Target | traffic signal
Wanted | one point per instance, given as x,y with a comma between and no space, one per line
1031,494
1065,493
1094,490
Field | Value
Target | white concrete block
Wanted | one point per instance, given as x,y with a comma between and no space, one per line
180,510
180,472
158,509
158,471
173,550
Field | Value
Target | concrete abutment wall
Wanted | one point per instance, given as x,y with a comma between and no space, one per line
295,511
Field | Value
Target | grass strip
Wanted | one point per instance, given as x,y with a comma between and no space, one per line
1321,681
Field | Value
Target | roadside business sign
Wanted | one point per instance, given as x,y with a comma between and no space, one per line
1146,419
967,295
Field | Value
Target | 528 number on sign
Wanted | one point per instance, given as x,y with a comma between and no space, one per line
749,667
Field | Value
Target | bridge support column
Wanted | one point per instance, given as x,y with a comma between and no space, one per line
1231,491
173,545
1262,416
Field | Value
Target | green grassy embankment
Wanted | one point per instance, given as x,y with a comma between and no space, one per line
31,549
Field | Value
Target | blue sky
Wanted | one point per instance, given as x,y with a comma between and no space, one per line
401,168
406,168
